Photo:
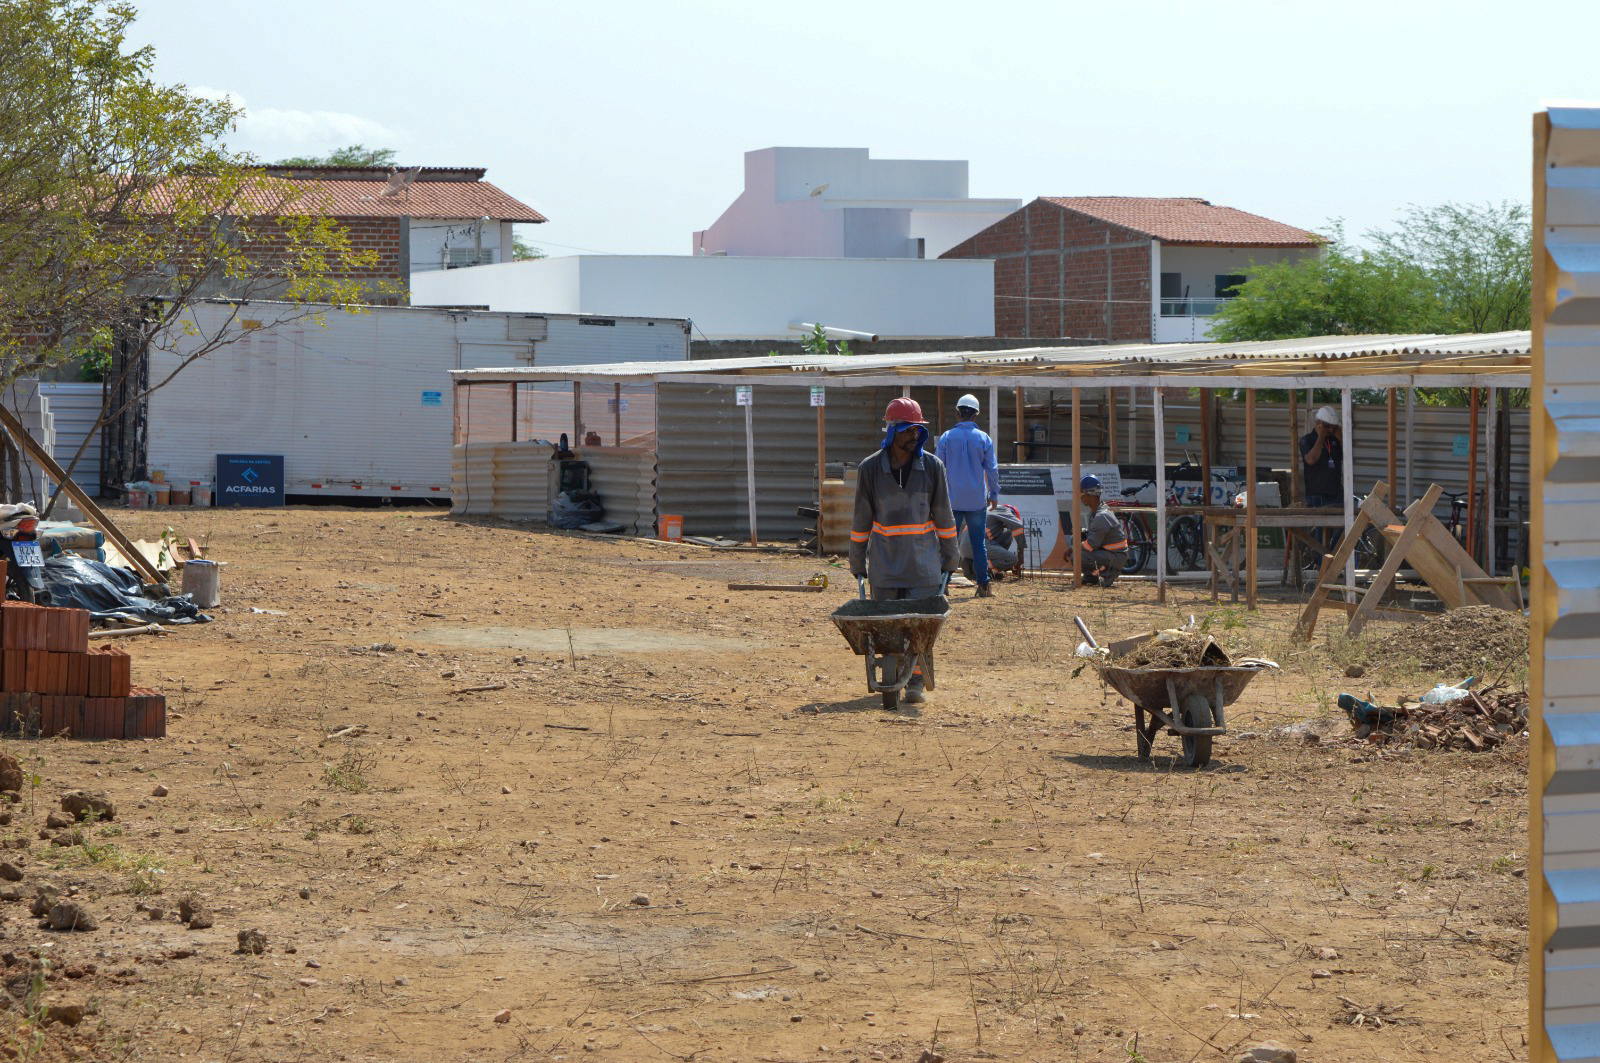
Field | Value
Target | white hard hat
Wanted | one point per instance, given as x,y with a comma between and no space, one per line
967,402
1328,415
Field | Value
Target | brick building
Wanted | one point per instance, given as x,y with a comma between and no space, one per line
417,220
1123,269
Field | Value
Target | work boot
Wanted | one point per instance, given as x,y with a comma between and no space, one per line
985,591
914,694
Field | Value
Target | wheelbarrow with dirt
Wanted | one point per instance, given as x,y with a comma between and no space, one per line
1187,699
894,637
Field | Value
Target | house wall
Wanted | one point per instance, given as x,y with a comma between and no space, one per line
1199,268
430,237
736,298
1059,273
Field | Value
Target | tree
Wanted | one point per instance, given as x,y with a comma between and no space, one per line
1341,291
522,251
1446,269
120,206
354,155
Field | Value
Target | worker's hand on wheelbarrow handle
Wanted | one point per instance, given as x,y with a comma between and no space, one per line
861,587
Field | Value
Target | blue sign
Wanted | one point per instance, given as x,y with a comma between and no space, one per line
1183,433
1460,446
433,398
250,480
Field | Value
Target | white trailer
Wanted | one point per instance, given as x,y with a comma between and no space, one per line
358,404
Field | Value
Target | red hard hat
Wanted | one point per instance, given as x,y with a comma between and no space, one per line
905,410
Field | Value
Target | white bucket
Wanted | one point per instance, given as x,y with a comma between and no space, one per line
199,493
202,580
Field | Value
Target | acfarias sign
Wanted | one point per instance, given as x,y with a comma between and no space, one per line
250,480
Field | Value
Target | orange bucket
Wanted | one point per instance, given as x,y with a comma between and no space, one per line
671,528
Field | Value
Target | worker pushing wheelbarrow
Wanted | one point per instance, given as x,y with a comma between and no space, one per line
1186,694
902,547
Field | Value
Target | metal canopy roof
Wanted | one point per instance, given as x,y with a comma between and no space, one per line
1499,359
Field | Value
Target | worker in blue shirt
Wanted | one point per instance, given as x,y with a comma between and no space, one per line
974,479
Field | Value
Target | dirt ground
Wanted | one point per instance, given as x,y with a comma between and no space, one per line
495,793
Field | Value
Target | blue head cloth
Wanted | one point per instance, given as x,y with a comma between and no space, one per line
894,428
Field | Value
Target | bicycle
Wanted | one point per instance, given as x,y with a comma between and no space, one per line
1456,525
1185,534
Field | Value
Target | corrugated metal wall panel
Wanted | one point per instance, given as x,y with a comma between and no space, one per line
626,481
472,479
521,480
75,409
1564,869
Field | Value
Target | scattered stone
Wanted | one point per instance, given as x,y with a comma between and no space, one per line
252,941
930,1056
402,980
1326,953
505,789
641,899
1269,1052
191,912
10,872
160,791
43,898
1319,973
69,915
81,803
1355,671
305,895
10,774
502,1016
65,1014
306,983
157,914
57,820
314,965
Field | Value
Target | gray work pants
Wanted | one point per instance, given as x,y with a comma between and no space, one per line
891,662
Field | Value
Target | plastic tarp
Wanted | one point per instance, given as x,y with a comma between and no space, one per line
107,591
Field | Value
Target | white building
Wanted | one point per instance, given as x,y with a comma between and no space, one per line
839,203
736,298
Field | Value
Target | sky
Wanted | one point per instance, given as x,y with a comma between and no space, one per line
625,122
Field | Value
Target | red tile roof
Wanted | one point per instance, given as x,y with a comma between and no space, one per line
1182,220
364,198
422,199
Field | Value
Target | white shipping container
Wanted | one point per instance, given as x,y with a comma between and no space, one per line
357,404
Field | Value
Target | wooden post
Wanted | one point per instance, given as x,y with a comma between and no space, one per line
1111,425
1394,437
938,418
1133,425
1472,472
513,413
577,414
1411,419
1049,423
1251,545
457,393
1205,445
1348,445
750,461
1076,552
1297,464
822,466
1492,462
994,419
1017,444
1161,494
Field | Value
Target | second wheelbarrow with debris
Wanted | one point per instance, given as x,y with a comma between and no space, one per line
894,637
1189,700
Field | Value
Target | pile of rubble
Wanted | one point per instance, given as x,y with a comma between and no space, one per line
1480,721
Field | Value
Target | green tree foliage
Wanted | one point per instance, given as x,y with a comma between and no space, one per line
354,155
1446,269
522,251
120,205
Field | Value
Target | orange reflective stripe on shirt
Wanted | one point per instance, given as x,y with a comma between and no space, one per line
1123,545
903,529
946,533
860,537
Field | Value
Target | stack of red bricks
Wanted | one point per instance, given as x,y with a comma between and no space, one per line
53,683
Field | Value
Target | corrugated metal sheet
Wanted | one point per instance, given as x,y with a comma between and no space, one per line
596,340
22,397
521,480
364,399
700,450
75,409
472,479
626,481
1564,879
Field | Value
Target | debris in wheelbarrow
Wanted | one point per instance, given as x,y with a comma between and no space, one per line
1186,698
894,637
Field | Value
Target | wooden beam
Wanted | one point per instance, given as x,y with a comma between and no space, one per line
96,515
1394,439
1161,494
1017,439
1472,471
1077,499
1399,548
1111,425
1251,544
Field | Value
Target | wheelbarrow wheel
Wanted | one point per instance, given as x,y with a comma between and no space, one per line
1197,748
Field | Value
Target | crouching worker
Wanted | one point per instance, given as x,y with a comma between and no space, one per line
1003,537
903,536
1105,545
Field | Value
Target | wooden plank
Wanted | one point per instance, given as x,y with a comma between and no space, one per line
1252,542
1371,512
96,515
1077,475
1391,564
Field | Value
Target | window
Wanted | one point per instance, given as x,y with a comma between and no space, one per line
1228,284
1172,286
457,257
